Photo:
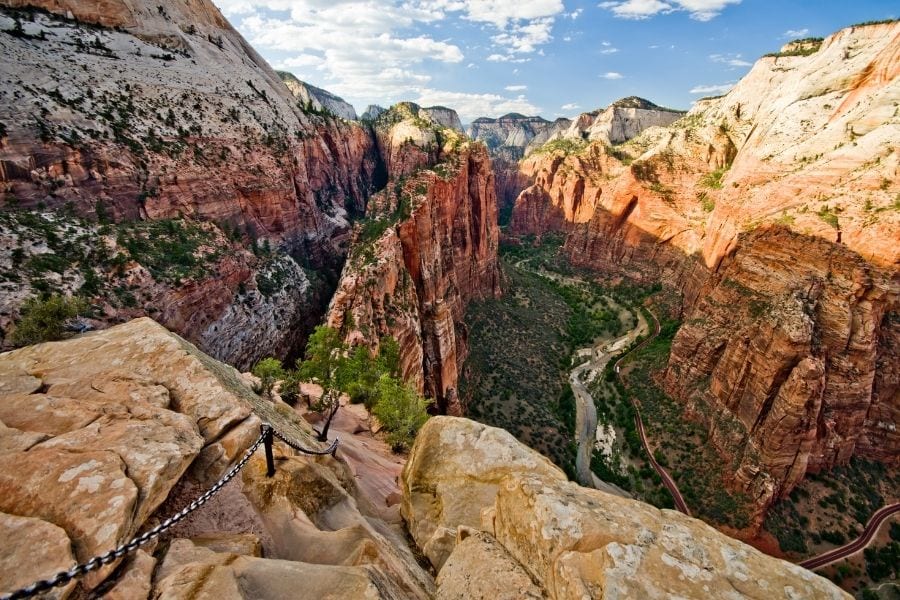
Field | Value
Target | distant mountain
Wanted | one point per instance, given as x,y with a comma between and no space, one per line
507,137
620,121
316,98
371,113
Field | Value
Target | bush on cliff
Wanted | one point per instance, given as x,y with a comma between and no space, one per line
269,371
401,410
44,319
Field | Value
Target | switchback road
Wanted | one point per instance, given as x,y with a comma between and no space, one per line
856,545
663,474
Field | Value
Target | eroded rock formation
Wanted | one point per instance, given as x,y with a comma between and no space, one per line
315,99
431,247
478,502
105,434
772,210
148,111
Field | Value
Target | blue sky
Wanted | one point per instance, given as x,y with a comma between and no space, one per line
548,57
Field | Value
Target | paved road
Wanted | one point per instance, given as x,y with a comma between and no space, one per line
663,474
856,545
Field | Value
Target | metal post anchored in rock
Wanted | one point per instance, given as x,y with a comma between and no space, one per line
268,434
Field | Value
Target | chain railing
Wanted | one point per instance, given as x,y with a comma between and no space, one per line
266,437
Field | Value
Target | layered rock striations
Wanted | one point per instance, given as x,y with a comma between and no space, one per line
772,210
148,111
315,99
428,248
620,121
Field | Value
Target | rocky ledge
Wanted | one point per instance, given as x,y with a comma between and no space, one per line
105,435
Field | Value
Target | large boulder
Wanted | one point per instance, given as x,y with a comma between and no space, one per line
548,536
96,431
453,473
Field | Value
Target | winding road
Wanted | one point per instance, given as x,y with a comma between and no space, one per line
586,426
875,521
663,474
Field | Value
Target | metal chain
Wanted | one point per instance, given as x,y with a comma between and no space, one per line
332,449
95,563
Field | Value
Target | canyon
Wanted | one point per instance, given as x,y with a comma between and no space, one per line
767,210
211,211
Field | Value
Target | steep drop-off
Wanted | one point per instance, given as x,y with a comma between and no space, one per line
429,245
493,518
131,111
774,211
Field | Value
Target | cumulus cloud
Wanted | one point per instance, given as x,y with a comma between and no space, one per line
516,88
472,106
701,10
611,75
732,60
795,33
721,88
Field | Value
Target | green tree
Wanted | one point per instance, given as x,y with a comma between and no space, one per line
326,363
269,371
44,320
289,388
401,411
363,372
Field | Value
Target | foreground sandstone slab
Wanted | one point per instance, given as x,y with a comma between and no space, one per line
453,473
573,542
96,431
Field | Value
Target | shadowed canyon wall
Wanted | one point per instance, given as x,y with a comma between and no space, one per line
774,211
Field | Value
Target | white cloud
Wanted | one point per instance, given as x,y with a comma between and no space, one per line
575,13
471,106
796,33
732,60
502,12
506,58
516,88
570,106
359,49
527,37
611,75
636,9
610,50
701,10
721,88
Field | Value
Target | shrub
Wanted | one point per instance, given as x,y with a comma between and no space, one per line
44,320
401,411
269,370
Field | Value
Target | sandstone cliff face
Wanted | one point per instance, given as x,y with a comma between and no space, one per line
436,250
316,99
772,209
478,502
174,115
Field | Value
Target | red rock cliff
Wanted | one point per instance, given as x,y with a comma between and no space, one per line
774,210
172,114
414,281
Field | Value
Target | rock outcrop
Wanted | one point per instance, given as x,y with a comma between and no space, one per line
137,111
104,435
508,139
510,522
620,121
371,113
430,248
770,210
315,99
107,434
